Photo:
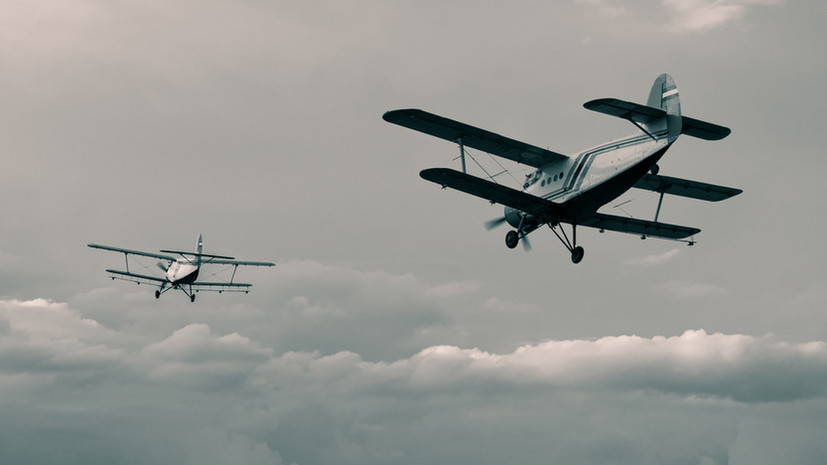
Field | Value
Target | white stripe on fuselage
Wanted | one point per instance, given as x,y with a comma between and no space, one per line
593,167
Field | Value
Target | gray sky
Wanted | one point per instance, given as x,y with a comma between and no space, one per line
396,329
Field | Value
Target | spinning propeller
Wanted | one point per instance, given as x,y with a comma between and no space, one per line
491,224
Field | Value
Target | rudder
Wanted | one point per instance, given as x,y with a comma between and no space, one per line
664,95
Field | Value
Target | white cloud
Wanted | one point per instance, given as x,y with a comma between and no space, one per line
653,260
704,15
203,397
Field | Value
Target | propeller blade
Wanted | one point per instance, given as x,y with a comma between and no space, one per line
491,224
526,244
163,266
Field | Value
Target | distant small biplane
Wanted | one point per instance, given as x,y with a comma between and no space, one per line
570,190
181,272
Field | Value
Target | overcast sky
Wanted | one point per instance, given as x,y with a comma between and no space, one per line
396,329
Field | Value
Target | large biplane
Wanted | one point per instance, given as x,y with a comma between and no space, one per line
181,270
570,190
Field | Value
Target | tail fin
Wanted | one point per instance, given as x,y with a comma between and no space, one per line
664,95
198,248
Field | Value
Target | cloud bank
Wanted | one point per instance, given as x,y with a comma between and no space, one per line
194,396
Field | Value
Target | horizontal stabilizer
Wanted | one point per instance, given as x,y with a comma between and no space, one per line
471,136
626,110
636,226
238,262
488,190
686,188
703,130
196,254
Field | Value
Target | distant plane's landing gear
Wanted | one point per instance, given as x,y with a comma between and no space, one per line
577,254
511,239
157,294
192,298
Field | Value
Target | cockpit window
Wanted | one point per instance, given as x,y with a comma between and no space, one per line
531,179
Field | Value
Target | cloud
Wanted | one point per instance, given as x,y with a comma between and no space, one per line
653,260
704,15
200,396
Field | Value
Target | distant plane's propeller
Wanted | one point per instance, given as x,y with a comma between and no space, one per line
163,266
491,224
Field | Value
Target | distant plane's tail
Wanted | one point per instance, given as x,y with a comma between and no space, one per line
664,95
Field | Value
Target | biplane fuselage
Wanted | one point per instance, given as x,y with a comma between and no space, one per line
182,272
581,185
571,189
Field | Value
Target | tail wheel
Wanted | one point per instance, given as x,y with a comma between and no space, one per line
577,254
511,239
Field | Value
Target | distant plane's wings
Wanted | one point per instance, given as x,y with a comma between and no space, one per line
221,287
135,277
237,263
626,110
132,252
488,190
471,136
686,188
636,226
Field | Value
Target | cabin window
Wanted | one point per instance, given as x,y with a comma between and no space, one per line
555,178
543,183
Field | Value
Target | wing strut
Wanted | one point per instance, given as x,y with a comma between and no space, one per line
657,212
642,129
461,153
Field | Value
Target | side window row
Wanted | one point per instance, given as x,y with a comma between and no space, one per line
550,179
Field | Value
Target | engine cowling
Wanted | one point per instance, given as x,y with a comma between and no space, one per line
516,217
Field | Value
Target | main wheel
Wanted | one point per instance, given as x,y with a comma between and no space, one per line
577,254
157,294
511,239
654,169
192,298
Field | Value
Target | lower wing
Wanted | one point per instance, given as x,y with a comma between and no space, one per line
490,191
636,226
221,287
136,278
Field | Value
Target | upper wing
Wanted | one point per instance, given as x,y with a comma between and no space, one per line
237,263
471,136
626,110
686,188
636,226
132,252
488,190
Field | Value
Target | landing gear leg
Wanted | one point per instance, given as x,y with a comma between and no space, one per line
577,252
